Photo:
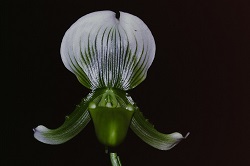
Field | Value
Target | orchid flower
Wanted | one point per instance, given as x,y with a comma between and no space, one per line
108,55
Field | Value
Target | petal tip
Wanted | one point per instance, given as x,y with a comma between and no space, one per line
176,136
38,133
187,135
40,128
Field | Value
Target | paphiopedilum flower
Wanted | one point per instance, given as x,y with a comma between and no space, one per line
108,55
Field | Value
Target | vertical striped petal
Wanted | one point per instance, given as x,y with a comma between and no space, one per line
103,51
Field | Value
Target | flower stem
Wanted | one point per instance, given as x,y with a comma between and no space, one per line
115,160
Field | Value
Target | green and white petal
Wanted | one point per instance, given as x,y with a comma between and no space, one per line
115,160
151,136
73,124
103,51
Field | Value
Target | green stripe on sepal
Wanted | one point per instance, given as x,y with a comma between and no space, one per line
103,51
146,131
72,125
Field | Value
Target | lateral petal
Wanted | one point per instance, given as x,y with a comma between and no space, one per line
73,124
151,136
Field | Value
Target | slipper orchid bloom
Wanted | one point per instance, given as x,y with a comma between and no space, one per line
108,55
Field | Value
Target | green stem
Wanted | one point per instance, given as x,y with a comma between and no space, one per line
115,160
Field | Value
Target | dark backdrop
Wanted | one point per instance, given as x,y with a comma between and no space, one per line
198,83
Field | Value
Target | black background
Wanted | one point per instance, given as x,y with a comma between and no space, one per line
198,82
